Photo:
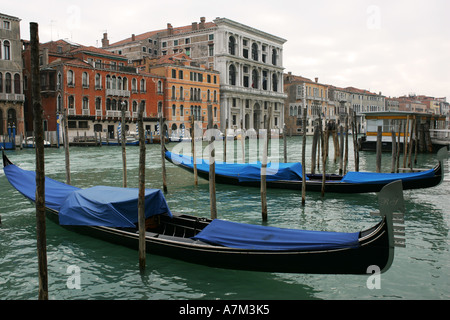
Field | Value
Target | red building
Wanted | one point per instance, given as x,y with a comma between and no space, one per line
93,85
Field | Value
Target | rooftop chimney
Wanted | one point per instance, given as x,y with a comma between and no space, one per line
133,37
105,41
202,23
194,26
317,79
169,29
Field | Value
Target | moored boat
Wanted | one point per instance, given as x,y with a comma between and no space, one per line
289,176
111,214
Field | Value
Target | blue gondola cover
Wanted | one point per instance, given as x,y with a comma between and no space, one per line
96,206
374,177
254,237
244,171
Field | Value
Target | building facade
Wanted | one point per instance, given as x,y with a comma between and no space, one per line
188,91
250,63
303,93
93,85
11,79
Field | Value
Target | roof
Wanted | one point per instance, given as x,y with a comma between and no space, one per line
175,31
97,51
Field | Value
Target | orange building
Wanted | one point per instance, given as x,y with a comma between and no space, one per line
189,90
93,85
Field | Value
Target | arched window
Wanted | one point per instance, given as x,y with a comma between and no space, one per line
135,106
274,57
119,83
108,104
181,93
98,103
160,90
255,51
232,45
85,105
255,79
142,85
174,94
70,78
6,50
125,83
71,104
85,80
108,82
232,75
159,107
274,82
1,83
174,110
59,103
98,81
8,84
134,85
114,83
17,84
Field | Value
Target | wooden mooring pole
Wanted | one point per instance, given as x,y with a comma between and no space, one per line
303,157
212,166
40,170
194,156
163,152
264,168
141,199
66,145
379,146
124,152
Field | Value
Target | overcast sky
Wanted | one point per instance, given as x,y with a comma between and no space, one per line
395,47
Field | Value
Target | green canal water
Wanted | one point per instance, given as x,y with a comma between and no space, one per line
106,271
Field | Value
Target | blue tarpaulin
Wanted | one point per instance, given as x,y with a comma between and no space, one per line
25,182
246,236
96,206
110,206
244,171
373,177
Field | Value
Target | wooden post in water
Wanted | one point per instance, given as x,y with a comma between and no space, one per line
379,145
394,148
405,142
314,149
341,149
163,152
40,170
66,145
242,141
225,142
346,144
141,199
264,168
284,144
416,139
322,140
413,125
355,141
398,145
124,152
212,166
303,157
194,158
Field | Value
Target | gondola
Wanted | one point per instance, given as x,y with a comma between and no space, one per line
111,214
289,176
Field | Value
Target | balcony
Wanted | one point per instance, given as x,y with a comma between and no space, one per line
118,93
12,97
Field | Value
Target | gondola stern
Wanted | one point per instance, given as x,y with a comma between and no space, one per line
6,161
392,209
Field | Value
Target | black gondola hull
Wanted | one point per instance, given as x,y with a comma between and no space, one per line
332,183
373,251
